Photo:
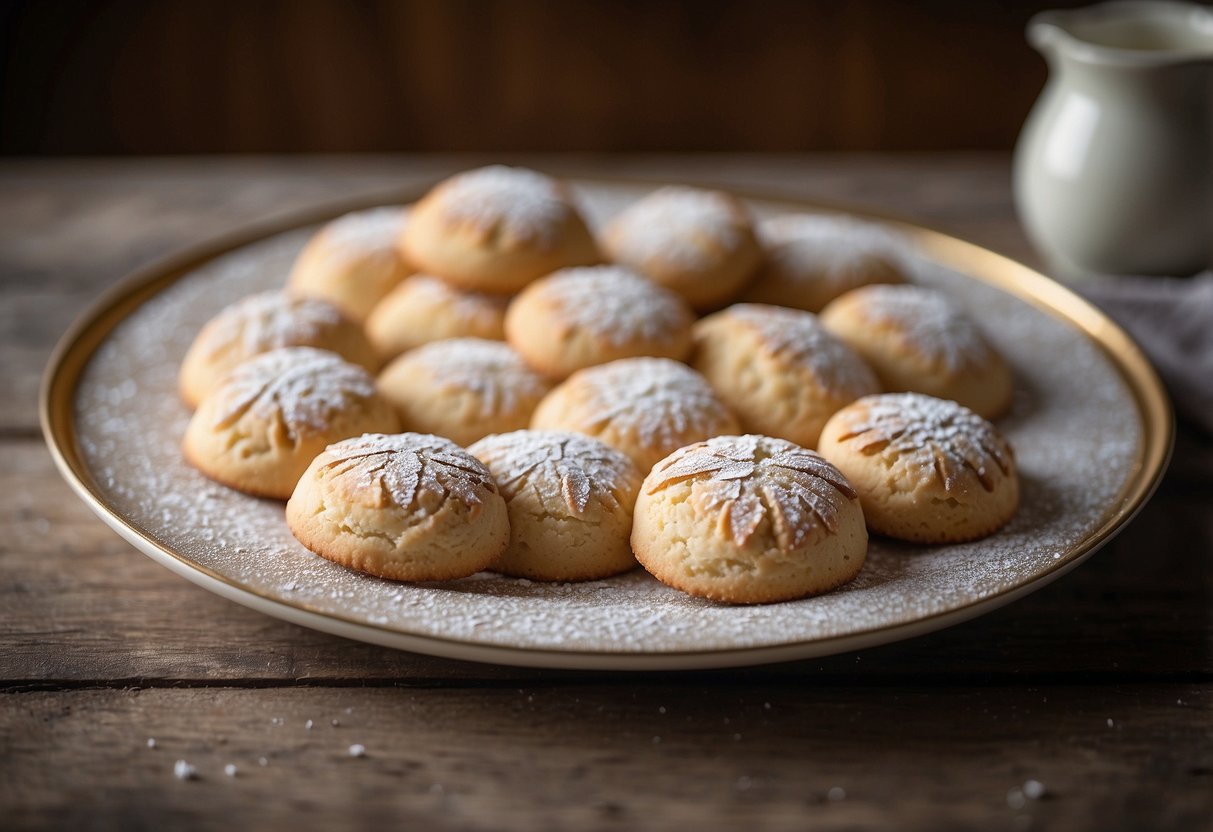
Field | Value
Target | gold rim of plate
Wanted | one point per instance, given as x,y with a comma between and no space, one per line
82,339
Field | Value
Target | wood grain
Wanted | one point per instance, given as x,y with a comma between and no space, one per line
100,648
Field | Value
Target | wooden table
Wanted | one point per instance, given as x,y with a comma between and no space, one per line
1099,687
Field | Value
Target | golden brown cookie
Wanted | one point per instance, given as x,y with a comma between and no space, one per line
645,407
697,243
425,308
263,322
406,506
496,229
580,317
917,340
926,469
353,262
749,520
813,258
570,499
266,421
463,389
778,369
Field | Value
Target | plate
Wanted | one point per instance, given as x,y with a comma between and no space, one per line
1091,428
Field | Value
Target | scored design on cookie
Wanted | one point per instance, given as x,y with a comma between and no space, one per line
491,370
270,320
305,387
746,479
519,204
563,470
825,246
657,400
366,231
932,325
936,437
398,468
616,304
799,338
688,227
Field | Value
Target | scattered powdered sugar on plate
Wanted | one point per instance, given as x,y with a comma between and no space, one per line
687,227
521,204
934,326
614,303
1074,427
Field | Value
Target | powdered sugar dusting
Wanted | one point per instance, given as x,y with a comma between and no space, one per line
799,338
476,309
746,479
657,400
929,439
615,304
827,247
933,326
688,227
270,320
491,370
405,466
1074,426
360,232
305,387
520,204
564,471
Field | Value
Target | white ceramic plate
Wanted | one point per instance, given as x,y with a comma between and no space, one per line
1091,429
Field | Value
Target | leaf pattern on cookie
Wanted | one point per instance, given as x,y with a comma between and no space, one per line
935,437
615,304
305,387
564,471
270,320
400,468
743,480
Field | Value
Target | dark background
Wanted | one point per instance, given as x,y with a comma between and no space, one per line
199,76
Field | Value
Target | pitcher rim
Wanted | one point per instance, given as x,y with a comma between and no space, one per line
1047,28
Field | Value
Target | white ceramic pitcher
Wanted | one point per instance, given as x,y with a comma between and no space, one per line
1114,167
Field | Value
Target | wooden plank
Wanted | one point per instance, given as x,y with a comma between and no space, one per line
651,756
79,605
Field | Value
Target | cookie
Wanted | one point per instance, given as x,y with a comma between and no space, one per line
779,369
749,520
408,506
463,389
645,407
425,308
697,243
263,322
266,421
810,259
496,229
570,500
581,317
353,262
917,340
927,470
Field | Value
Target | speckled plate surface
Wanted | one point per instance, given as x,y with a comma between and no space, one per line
1091,428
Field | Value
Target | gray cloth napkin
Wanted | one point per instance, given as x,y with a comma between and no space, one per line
1172,320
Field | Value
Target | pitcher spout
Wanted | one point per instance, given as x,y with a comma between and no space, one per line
1126,33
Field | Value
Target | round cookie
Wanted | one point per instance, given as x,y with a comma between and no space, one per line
697,243
352,262
917,340
463,389
570,499
779,370
266,421
927,470
425,308
645,407
813,258
496,229
749,520
263,322
580,317
409,507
